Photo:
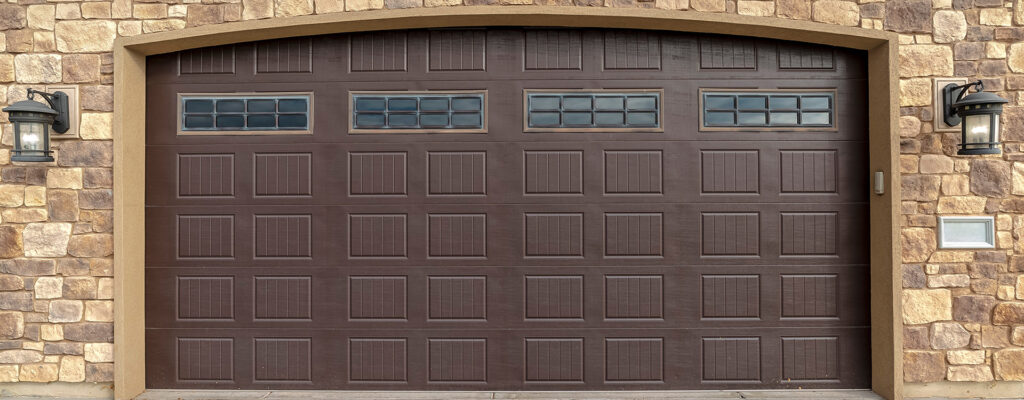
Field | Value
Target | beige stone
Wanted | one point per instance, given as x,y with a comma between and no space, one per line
48,287
64,178
38,373
24,215
41,16
95,10
12,195
51,332
81,68
289,8
1020,287
1005,292
995,50
836,12
149,10
69,11
995,17
12,325
72,369
85,36
1017,337
129,28
65,311
923,366
915,92
961,205
99,352
6,67
949,281
1018,178
43,42
1009,364
949,335
441,3
8,373
910,126
35,196
360,5
756,8
1008,313
948,26
47,239
961,357
91,245
20,356
99,311
708,5
936,164
673,4
97,126
924,306
918,244
79,287
925,60
105,289
969,373
37,68
955,185
162,25
1015,57
258,9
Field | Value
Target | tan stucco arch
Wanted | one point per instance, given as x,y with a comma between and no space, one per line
129,139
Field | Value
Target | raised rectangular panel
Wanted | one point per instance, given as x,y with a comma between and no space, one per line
810,234
284,55
283,236
74,111
457,173
283,174
377,173
457,235
808,171
377,360
731,359
457,360
730,234
549,49
554,235
634,360
810,296
378,51
633,235
720,52
634,296
207,60
554,360
810,358
206,236
553,172
377,297
805,56
282,359
730,296
967,233
378,235
557,297
939,122
205,359
729,171
283,297
632,49
458,50
206,175
632,172
458,297
206,297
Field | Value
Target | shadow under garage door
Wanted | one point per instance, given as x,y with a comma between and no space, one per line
507,209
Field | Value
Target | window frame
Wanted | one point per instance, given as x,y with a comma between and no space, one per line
626,91
755,128
180,131
352,130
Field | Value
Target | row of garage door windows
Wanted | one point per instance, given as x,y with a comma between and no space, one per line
465,111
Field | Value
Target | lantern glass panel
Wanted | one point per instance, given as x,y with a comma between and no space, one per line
32,136
977,129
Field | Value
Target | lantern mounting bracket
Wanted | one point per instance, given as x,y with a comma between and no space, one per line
953,93
58,101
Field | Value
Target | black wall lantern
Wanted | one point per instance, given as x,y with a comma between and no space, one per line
979,112
32,121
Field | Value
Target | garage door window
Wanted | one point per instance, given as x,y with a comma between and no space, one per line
226,114
598,111
418,112
757,110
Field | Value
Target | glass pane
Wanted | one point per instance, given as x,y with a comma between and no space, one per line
402,104
544,103
747,118
402,120
577,118
199,121
230,121
369,120
260,121
609,119
782,102
467,120
977,128
720,102
261,105
577,103
719,119
815,103
544,119
642,119
292,105
641,103
753,102
230,106
816,118
466,104
434,120
31,135
198,106
434,104
784,118
370,104
293,121
609,103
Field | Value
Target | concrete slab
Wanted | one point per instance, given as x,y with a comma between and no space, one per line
382,395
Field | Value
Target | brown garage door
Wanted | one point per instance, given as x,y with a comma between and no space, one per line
520,209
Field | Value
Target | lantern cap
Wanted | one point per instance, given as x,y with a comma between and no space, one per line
30,106
979,98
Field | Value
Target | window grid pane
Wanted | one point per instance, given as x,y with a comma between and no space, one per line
776,109
435,110
245,113
575,110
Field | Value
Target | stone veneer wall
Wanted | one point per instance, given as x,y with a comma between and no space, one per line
963,310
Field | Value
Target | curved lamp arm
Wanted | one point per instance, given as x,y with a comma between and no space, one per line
58,101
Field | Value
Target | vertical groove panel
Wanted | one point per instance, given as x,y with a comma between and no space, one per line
457,360
730,234
284,174
206,359
458,297
805,56
554,297
457,50
206,236
808,171
809,234
730,296
206,175
457,235
281,297
728,171
553,172
377,173
280,236
377,297
809,296
457,173
633,296
721,52
285,55
554,360
632,50
731,359
378,235
554,235
633,234
634,359
207,60
810,358
377,360
283,359
553,49
633,172
378,51
206,297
